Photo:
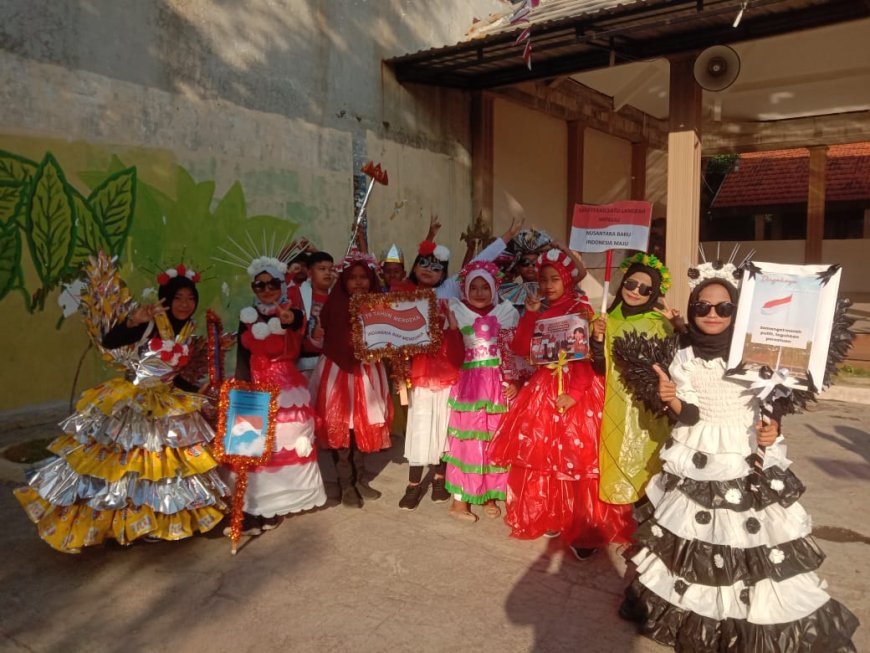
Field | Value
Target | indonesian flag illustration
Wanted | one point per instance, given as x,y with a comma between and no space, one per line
775,306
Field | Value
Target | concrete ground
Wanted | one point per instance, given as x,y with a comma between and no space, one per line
382,579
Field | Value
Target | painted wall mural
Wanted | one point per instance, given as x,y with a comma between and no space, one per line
61,201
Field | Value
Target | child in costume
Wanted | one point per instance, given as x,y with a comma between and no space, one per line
134,461
727,560
549,438
393,267
630,434
351,398
478,400
314,292
432,375
270,333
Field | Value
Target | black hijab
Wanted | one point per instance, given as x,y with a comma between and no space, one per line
654,275
167,293
704,345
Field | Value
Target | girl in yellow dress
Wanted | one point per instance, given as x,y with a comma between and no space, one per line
133,461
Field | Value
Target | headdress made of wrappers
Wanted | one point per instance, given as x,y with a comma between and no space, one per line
393,255
650,261
486,269
356,256
717,269
180,270
268,256
562,263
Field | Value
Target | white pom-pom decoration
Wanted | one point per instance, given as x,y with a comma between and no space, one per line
733,496
719,561
172,273
275,325
657,530
776,485
776,556
248,315
553,255
441,253
302,446
260,330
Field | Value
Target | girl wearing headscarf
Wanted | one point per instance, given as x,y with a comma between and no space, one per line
351,398
630,435
270,336
478,400
726,560
549,438
134,461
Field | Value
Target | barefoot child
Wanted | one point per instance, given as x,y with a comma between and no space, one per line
478,400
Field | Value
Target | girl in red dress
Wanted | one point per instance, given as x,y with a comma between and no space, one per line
351,398
549,438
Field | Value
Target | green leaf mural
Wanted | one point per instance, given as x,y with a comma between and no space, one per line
11,198
16,168
90,236
113,203
50,223
10,258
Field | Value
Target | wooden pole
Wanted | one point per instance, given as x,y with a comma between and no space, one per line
684,177
816,205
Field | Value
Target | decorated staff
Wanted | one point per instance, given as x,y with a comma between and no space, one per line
245,438
375,174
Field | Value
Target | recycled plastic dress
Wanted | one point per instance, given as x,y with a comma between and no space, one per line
631,435
722,566
134,459
477,405
553,456
290,481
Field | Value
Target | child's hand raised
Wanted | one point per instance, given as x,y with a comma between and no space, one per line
451,320
672,315
286,316
667,388
513,230
145,313
533,302
317,331
434,227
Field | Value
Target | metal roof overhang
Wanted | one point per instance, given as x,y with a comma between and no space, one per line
635,31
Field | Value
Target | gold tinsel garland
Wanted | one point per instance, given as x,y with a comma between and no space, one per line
241,464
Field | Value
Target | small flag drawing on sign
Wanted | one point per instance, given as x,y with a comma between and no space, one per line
246,436
776,305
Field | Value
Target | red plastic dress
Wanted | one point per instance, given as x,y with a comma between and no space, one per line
553,456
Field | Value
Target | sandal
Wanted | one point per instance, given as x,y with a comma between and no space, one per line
492,510
464,516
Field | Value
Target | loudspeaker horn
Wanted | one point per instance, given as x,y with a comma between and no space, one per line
716,68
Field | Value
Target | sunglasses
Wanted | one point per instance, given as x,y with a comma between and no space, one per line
524,262
433,264
271,284
634,284
723,309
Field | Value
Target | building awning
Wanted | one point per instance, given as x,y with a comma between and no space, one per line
782,177
570,36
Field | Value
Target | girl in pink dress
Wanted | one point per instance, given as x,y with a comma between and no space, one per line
478,400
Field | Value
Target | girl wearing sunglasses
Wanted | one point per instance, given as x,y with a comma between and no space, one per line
630,435
726,560
270,335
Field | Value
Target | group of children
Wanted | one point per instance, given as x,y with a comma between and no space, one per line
566,446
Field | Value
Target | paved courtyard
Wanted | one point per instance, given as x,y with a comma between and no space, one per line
382,579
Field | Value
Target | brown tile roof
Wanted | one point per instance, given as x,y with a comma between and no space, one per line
782,177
